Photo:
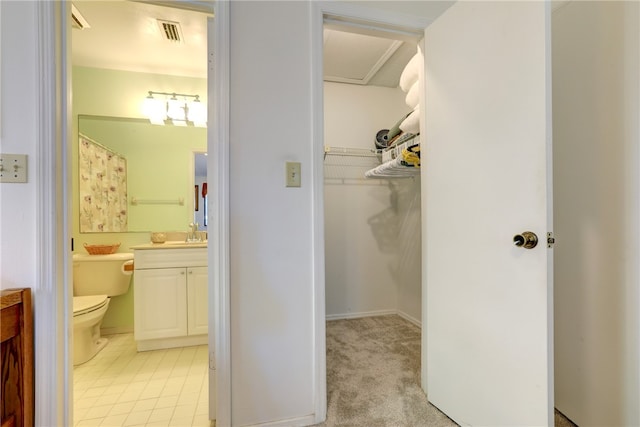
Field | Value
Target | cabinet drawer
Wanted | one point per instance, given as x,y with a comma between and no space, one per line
165,258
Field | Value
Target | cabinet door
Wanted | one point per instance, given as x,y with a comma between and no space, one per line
160,303
197,294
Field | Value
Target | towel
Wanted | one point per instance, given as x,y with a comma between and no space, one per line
413,96
411,72
412,123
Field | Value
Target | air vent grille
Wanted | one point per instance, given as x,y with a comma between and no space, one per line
77,20
170,31
75,23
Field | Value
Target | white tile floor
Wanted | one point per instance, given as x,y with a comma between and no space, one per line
121,387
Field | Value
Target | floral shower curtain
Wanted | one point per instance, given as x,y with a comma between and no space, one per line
102,188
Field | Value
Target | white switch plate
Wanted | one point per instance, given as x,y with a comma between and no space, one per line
293,174
13,168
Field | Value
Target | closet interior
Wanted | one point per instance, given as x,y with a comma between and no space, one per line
372,172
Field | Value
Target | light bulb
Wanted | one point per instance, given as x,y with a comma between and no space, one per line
155,110
176,109
197,113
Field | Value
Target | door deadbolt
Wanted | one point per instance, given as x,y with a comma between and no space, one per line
527,240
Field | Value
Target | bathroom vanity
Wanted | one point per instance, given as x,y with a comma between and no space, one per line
170,295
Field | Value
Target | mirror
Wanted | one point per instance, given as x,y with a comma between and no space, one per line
158,163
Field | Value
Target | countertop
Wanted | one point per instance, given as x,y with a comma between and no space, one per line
170,245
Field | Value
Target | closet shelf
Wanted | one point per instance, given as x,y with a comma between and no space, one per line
401,161
342,163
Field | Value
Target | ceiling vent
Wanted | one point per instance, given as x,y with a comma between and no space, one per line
170,31
77,20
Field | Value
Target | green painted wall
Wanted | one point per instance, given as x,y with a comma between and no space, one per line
101,92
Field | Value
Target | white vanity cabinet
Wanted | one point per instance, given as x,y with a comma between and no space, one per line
170,296
197,294
160,303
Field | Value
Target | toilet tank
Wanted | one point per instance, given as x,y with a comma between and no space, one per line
101,274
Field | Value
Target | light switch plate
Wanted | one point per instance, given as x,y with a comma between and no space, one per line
13,168
293,174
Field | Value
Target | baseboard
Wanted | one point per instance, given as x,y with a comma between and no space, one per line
360,314
289,422
404,315
411,319
116,330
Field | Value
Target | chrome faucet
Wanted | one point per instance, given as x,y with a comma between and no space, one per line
192,236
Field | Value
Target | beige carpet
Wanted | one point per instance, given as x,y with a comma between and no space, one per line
373,376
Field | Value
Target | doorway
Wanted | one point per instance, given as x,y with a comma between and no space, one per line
128,106
442,322
371,226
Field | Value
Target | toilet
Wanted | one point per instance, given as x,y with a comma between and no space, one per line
95,279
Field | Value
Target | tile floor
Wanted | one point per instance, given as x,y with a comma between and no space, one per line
121,387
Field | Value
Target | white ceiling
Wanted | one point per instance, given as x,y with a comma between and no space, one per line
125,35
364,59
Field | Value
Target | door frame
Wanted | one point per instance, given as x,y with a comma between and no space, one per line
53,301
218,174
360,16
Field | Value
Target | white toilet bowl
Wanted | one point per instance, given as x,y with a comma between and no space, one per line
88,312
95,279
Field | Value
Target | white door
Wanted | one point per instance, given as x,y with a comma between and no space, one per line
487,178
197,300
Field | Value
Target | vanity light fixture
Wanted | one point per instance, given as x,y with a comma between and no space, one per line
175,107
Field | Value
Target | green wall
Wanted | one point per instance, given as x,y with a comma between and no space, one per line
101,92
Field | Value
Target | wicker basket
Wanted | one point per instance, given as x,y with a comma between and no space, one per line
102,249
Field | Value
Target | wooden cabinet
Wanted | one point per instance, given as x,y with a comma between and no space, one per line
170,298
16,349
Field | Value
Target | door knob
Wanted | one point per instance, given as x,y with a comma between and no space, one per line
527,240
